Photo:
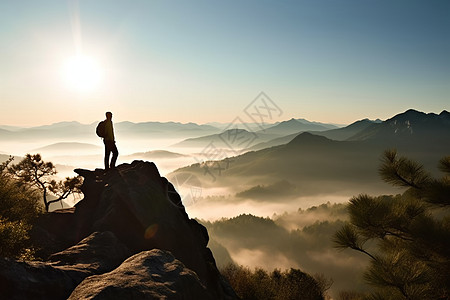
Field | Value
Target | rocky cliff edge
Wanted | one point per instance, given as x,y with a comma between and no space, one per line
130,237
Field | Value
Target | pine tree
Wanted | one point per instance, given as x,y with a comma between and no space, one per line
407,236
33,171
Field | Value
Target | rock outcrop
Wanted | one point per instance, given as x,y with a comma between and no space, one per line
137,214
153,274
57,277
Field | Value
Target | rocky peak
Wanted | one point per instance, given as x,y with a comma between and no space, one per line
143,211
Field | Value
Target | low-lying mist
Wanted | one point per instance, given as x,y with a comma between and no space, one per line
298,239
211,207
87,153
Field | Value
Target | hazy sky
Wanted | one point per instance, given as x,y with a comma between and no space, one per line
203,61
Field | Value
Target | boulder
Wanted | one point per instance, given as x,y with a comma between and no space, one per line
98,253
154,274
56,279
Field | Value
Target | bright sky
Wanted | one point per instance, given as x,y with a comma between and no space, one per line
203,61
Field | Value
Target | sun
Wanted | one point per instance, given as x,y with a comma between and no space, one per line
82,73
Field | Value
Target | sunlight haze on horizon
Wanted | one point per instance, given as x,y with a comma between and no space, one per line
205,61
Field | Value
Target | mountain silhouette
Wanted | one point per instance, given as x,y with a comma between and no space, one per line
280,133
314,164
309,139
342,134
338,134
293,126
326,125
5,133
409,125
77,130
231,139
274,142
64,146
317,165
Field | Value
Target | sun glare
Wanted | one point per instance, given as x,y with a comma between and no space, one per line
82,73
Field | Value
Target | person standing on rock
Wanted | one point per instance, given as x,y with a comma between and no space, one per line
110,143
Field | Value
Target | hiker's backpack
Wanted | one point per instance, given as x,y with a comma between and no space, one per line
100,130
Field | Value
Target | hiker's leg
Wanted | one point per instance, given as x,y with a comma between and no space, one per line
115,153
107,152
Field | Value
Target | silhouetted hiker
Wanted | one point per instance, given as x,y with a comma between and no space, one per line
110,143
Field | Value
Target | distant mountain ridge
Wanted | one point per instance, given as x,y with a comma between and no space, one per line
337,134
398,127
163,126
275,134
294,126
274,142
61,129
326,125
317,164
411,123
344,133
231,139
64,124
63,146
76,130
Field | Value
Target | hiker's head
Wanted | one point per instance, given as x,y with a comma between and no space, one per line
109,115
